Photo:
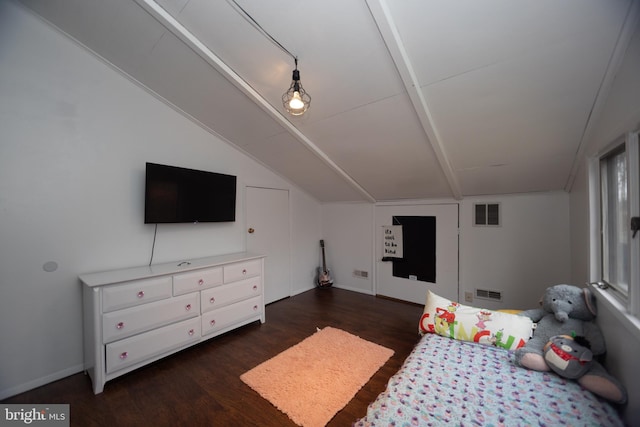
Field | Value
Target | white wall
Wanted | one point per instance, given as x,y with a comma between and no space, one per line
306,232
621,114
528,253
349,242
74,139
579,214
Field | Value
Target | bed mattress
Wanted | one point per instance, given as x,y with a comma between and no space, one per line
449,382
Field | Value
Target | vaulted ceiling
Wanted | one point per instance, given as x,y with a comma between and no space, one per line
411,99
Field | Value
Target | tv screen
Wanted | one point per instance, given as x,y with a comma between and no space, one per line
176,195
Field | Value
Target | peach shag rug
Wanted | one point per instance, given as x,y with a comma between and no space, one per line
314,379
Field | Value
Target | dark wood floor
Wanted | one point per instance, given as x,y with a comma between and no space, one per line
201,385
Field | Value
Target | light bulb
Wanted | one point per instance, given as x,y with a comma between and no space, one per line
296,102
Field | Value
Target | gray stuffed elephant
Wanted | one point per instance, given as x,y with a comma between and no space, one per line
570,310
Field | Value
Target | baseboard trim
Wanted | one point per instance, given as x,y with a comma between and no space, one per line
21,388
349,288
301,290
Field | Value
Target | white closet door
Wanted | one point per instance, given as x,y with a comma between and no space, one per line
446,269
268,225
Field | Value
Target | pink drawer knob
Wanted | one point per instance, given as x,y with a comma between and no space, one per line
191,332
200,282
140,294
188,307
255,287
120,325
255,307
212,300
213,322
124,355
244,271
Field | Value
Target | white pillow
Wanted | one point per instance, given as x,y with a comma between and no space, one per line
462,322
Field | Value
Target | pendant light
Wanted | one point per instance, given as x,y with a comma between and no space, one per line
296,100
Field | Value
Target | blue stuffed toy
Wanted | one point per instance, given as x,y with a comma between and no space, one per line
570,310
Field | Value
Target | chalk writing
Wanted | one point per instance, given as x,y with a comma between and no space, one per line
392,241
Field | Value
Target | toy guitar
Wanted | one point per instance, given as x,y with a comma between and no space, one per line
324,275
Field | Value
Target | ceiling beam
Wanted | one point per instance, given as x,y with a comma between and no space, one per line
389,32
189,39
627,31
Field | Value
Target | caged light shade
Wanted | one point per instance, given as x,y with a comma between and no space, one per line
296,100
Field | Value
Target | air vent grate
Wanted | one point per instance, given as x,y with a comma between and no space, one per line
487,294
486,214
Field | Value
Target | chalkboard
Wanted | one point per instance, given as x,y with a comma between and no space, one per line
419,248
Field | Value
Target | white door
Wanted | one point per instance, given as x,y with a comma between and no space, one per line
267,231
446,254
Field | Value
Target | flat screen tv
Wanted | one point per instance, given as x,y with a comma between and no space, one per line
179,195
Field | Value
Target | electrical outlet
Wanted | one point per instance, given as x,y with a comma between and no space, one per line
468,296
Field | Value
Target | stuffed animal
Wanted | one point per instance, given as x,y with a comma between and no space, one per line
567,356
570,310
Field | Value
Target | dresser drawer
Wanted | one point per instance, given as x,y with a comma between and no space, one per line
195,280
130,321
242,270
228,294
135,293
130,351
224,317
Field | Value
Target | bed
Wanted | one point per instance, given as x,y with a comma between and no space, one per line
449,381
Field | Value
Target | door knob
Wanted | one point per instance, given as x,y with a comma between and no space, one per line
251,230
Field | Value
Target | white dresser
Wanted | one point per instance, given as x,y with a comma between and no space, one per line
138,315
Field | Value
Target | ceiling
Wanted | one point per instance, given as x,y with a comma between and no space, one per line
411,99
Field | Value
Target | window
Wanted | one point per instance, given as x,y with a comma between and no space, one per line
615,186
614,203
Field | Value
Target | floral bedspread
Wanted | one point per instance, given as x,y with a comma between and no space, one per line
450,382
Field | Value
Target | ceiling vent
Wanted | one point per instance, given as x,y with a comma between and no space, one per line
490,295
487,215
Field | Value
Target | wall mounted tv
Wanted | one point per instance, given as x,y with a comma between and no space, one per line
178,195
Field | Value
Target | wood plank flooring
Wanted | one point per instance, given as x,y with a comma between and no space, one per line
200,386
